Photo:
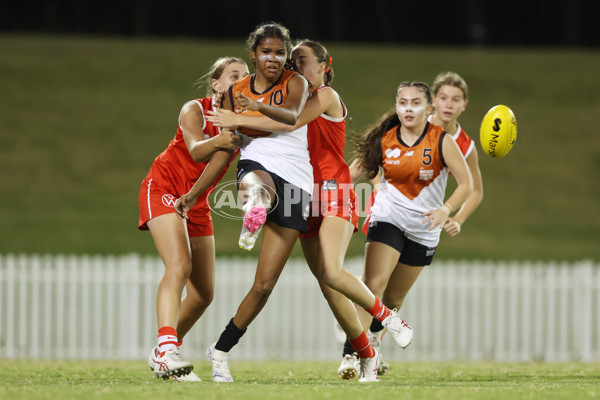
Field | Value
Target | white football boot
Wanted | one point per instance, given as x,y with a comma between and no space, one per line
375,340
368,368
220,367
152,357
400,330
191,377
171,364
350,367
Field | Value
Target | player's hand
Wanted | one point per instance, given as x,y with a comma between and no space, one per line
183,205
222,118
218,100
242,103
228,140
437,217
452,227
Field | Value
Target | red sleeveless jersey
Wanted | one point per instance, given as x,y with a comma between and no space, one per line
326,141
175,163
464,142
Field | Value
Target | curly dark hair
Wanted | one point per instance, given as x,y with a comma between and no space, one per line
272,30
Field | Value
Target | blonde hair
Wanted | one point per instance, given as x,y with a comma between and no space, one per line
451,79
215,72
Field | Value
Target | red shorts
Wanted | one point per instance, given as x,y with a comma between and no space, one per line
157,198
332,203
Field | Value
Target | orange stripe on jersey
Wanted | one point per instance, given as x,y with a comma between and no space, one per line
275,95
412,168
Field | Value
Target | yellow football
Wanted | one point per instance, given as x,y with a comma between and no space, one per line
498,131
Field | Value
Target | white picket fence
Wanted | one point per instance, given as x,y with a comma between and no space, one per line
92,307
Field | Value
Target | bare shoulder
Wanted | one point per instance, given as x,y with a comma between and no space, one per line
191,106
329,97
191,112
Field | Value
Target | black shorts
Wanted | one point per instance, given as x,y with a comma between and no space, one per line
291,205
411,252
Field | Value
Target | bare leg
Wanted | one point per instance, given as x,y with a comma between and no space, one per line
380,261
171,240
401,281
343,309
200,287
277,244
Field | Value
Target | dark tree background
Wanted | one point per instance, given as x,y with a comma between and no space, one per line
458,22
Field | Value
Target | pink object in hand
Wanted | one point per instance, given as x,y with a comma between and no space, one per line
255,218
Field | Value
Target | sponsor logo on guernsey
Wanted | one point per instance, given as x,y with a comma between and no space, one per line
425,174
409,153
168,200
392,153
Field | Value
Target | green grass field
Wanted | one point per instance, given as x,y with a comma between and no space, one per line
81,120
302,380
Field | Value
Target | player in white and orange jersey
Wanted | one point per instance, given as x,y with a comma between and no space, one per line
409,211
450,98
334,217
187,248
274,176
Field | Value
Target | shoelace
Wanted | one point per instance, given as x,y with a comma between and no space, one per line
402,322
174,356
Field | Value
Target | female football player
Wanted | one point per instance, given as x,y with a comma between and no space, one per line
409,211
450,98
186,248
334,216
274,175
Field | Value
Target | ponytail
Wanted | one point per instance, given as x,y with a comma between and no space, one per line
368,149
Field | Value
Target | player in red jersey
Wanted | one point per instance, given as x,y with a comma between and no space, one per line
186,247
450,98
333,219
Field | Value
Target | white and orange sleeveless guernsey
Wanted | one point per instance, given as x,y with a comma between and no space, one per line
414,181
466,146
282,153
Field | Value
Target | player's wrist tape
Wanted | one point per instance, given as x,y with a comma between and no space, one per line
449,207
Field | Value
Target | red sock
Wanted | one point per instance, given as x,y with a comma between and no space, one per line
167,339
379,311
362,347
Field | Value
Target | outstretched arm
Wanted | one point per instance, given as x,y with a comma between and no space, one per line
324,101
288,114
213,169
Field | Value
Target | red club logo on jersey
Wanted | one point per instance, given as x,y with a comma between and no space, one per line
168,200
